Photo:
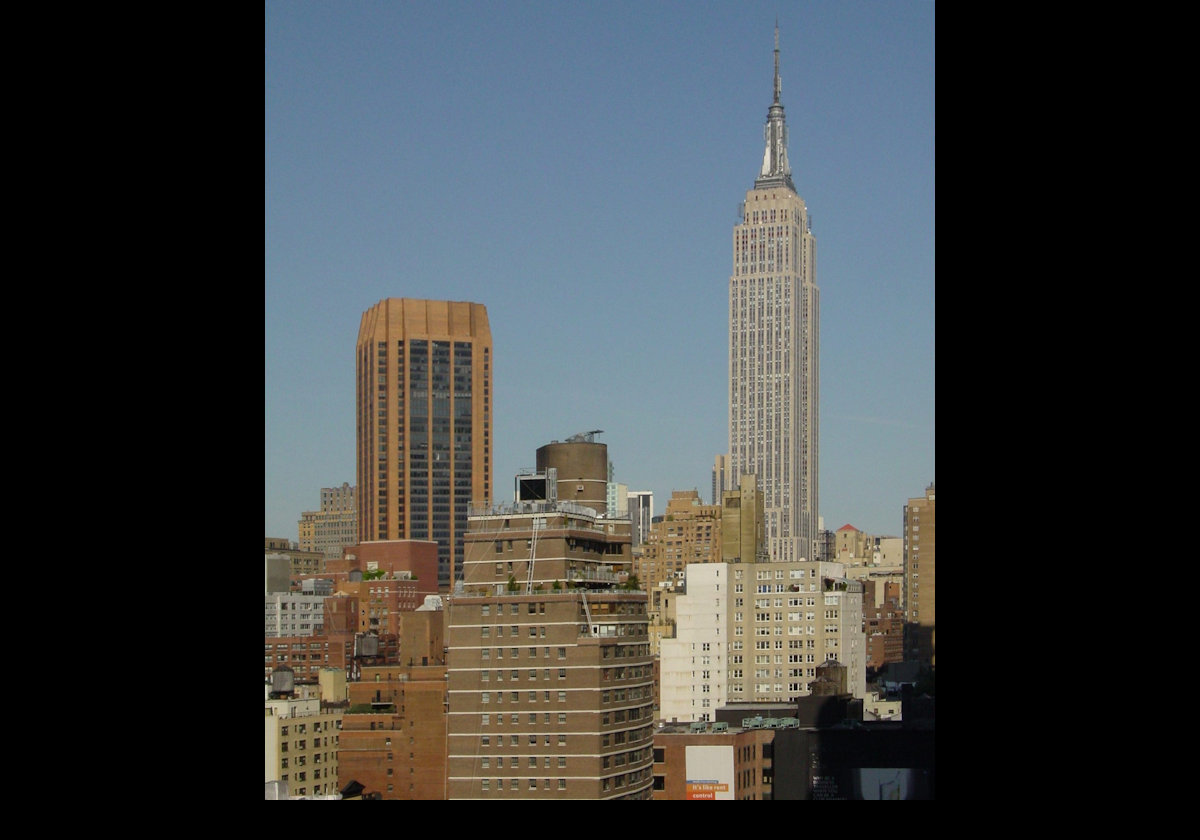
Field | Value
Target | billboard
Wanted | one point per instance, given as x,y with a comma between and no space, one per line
709,772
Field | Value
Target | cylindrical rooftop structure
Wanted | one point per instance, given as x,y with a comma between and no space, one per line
582,467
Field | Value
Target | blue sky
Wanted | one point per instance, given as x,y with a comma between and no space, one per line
576,167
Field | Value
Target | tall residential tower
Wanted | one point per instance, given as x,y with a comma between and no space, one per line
424,374
774,332
549,678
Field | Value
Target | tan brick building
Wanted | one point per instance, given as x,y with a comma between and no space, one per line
549,669
689,532
333,526
920,578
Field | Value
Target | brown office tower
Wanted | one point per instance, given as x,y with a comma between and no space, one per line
424,384
920,578
549,673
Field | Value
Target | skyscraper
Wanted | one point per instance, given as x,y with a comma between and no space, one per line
774,332
920,578
424,383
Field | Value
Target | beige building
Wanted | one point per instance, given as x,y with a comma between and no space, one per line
332,527
852,546
550,678
774,340
424,408
742,535
302,743
689,532
920,570
757,633
302,562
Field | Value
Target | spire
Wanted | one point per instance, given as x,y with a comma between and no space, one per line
775,169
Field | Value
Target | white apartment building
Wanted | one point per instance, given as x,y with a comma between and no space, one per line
294,614
692,665
756,632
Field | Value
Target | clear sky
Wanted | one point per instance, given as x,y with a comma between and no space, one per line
576,166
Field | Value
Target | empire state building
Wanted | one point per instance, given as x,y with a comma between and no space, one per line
774,339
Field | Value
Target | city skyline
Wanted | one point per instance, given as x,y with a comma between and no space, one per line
577,170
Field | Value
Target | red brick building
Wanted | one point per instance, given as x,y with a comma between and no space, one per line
884,626
393,738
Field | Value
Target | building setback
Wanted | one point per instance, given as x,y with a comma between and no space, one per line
424,382
774,337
